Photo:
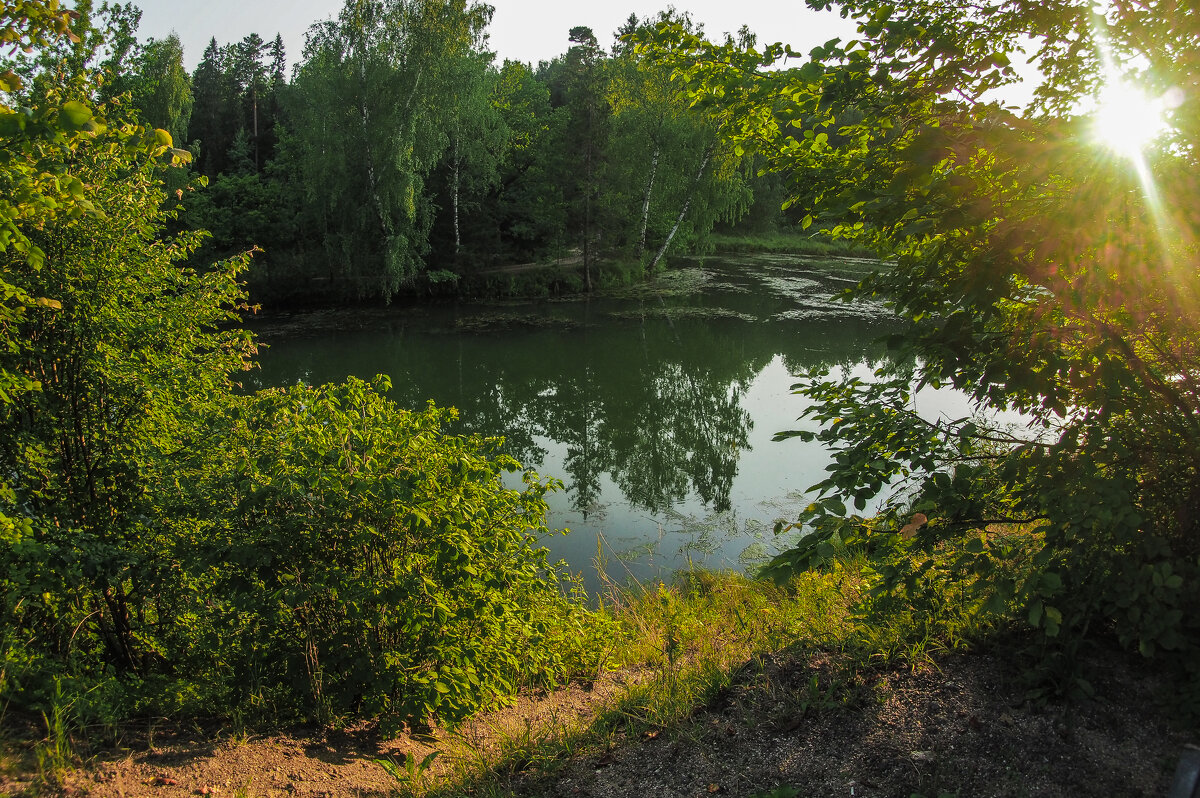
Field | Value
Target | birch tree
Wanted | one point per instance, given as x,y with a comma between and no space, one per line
371,124
669,164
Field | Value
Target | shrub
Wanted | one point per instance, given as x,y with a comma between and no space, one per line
366,560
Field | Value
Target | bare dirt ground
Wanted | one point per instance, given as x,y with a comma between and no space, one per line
961,727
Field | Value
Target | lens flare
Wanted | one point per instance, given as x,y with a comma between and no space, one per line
1126,120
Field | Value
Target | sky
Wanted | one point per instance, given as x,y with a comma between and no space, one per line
521,30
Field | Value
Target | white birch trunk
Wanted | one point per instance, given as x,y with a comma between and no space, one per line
683,211
646,203
385,224
455,182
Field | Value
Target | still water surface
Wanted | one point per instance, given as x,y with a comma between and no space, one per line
654,405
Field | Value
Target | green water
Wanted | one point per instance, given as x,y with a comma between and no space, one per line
654,405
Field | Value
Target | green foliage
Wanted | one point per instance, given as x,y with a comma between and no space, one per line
371,124
93,386
28,192
412,774
530,206
161,90
1059,559
237,90
399,149
126,366
368,561
478,138
670,176
692,641
171,545
55,755
1033,270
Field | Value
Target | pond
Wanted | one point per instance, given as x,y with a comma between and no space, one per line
655,405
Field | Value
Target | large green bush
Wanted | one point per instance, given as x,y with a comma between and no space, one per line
361,557
169,544
125,355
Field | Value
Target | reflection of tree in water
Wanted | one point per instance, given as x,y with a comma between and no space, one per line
574,414
843,343
689,431
659,420
655,404
494,411
660,413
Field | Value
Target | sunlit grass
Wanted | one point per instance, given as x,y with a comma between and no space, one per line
681,646
690,640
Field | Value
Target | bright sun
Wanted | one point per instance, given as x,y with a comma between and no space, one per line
1126,120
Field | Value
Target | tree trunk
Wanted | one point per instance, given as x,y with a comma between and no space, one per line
254,104
587,236
587,212
456,181
385,224
589,170
416,84
646,204
683,211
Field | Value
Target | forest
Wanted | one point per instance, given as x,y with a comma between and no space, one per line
397,155
174,544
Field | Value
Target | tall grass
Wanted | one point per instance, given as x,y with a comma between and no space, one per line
691,641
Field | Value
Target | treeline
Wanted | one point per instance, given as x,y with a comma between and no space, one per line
398,155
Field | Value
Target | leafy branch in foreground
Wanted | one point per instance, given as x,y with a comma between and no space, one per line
1032,269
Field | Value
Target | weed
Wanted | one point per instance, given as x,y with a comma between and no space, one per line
55,754
410,776
244,791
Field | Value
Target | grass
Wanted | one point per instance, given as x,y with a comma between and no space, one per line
793,243
55,754
701,640
244,791
40,767
694,638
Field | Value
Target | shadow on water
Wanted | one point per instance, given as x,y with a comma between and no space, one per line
654,404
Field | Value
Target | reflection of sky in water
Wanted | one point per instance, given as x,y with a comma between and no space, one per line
771,485
656,410
766,472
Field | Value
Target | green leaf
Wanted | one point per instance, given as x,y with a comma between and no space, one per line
834,506
75,115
